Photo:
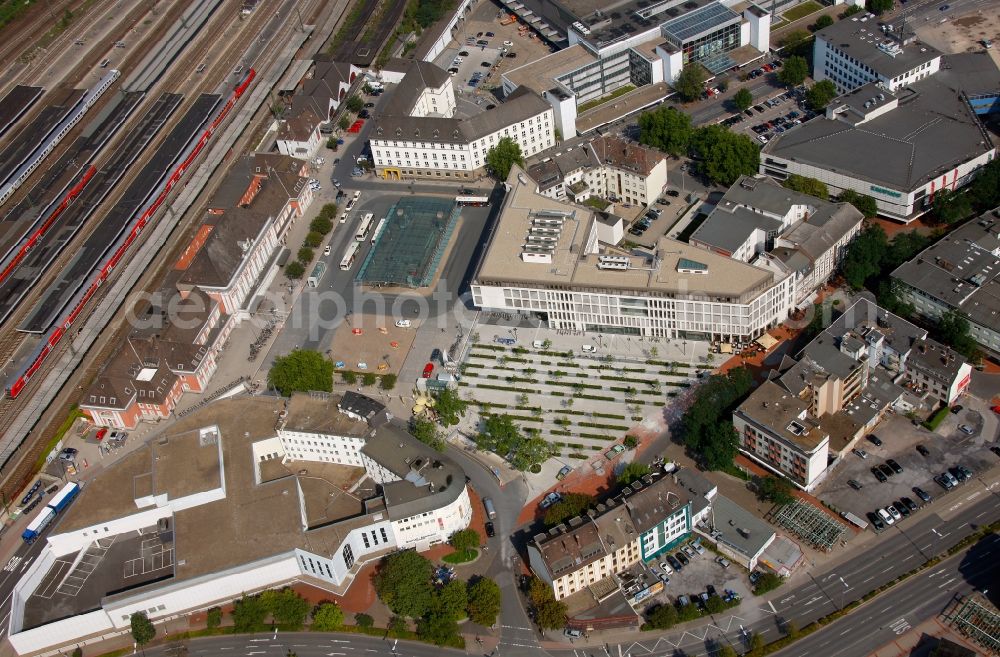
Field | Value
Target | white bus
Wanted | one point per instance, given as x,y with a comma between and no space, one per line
352,250
366,225
474,201
378,229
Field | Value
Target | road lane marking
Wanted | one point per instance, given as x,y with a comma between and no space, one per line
869,579
946,583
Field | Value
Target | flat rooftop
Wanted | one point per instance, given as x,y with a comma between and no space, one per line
784,414
320,414
572,265
961,270
932,131
861,38
540,75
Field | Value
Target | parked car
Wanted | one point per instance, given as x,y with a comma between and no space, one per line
875,440
565,470
682,558
945,481
698,548
688,551
896,468
922,494
550,499
960,474
860,453
403,323
886,470
876,520
674,563
908,503
966,429
665,567
878,475
428,370
490,529
957,408
68,454
722,561
902,508
886,517
673,192
894,512
923,451
436,355
854,484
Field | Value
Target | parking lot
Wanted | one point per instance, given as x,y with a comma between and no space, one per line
652,223
946,448
694,578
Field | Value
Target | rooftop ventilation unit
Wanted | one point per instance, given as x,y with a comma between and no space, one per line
565,214
538,248
612,262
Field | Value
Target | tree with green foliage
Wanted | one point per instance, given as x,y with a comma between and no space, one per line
437,628
349,377
743,99
449,407
427,432
820,94
328,211
807,185
249,614
502,157
794,71
143,629
213,618
756,645
715,605
403,583
465,540
531,451
550,614
451,600
397,624
949,207
688,612
667,129
306,255
879,7
724,156
294,270
321,225
287,608
631,472
823,21
484,601
344,123
766,583
707,424
630,441
388,381
952,328
663,617
864,204
369,379
984,190
499,435
313,239
864,256
77,652
302,370
327,617
690,81
850,11
570,506
776,490
355,104
364,620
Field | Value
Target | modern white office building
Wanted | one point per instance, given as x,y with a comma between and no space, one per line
861,49
416,134
631,43
568,271
898,143
242,496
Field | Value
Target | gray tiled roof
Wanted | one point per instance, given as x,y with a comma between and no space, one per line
932,131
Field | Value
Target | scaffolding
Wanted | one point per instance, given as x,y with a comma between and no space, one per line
410,246
810,524
977,621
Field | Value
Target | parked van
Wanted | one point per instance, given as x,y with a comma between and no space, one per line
589,348
538,344
491,512
104,64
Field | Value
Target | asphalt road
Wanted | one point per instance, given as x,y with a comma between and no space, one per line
17,564
302,644
905,606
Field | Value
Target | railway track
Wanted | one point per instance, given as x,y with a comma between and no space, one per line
28,29
222,57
